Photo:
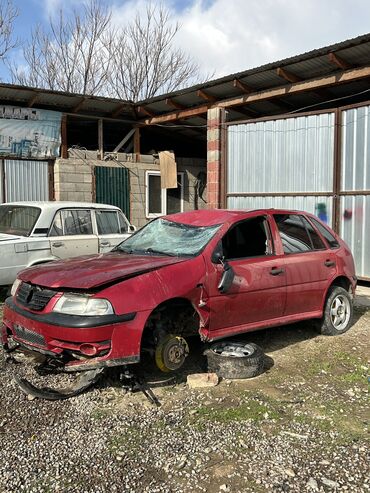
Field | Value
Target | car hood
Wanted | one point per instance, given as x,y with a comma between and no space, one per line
94,270
6,237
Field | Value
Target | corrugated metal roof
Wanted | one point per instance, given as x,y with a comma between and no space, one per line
308,65
357,50
65,102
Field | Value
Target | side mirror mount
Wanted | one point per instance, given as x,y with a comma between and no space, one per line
217,255
132,228
227,278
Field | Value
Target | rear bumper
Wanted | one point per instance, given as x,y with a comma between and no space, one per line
110,342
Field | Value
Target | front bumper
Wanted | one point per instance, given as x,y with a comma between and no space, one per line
111,340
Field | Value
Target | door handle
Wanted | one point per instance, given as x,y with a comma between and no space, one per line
275,271
58,244
104,243
329,263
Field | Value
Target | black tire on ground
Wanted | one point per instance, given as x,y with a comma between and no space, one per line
248,366
338,312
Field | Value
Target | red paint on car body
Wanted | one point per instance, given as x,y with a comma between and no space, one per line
268,290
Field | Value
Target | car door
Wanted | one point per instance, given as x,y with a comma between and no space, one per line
72,235
258,290
112,228
309,264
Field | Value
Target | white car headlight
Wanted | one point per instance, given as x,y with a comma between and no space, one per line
15,286
76,304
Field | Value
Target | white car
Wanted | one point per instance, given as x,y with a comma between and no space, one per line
37,232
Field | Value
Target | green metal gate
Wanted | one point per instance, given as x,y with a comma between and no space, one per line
112,186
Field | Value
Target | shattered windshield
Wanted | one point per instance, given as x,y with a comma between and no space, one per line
163,237
18,220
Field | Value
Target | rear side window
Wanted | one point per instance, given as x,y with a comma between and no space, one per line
107,222
332,241
297,234
317,243
110,222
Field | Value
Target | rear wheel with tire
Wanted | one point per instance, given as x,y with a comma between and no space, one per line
338,312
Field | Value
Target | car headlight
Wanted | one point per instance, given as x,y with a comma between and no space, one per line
15,286
76,304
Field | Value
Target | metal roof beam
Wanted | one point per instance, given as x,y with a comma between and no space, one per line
339,61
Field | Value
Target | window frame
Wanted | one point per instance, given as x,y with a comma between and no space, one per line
118,215
315,221
68,209
152,215
269,238
312,249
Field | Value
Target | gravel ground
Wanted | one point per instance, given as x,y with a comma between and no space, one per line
301,426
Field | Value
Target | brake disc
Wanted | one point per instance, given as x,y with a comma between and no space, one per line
171,353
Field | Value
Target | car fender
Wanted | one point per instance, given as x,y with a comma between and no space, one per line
146,291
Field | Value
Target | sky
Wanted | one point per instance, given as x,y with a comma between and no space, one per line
228,36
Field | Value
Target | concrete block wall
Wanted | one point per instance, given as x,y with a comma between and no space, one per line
74,180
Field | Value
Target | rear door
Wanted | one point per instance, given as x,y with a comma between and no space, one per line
112,228
72,235
259,288
309,264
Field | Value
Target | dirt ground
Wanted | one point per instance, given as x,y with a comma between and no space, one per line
303,425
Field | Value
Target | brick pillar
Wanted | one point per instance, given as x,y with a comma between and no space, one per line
215,118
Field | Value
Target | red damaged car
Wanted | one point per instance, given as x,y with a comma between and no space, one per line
213,273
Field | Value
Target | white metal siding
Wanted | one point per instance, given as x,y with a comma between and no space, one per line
286,155
308,204
26,180
356,149
355,230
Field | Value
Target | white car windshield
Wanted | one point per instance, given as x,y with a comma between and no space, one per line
164,237
17,219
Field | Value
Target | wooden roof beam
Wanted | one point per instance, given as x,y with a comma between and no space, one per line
177,115
276,92
120,108
242,86
146,111
339,61
299,87
32,101
174,104
287,75
79,105
207,97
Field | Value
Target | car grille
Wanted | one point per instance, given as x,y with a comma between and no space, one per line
34,297
28,335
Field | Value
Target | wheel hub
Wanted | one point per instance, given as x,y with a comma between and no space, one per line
340,312
171,353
